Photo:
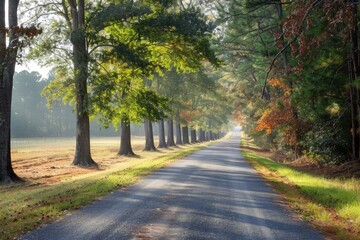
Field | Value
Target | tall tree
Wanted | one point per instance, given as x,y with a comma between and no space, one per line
10,43
81,64
125,139
185,134
149,137
8,61
170,132
120,39
179,140
162,140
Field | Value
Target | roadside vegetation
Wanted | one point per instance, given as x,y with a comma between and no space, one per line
25,207
332,205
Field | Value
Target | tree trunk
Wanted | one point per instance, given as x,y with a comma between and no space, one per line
294,111
211,137
354,71
178,129
193,135
354,123
170,133
7,61
206,136
149,137
185,131
162,142
201,139
80,59
125,142
178,134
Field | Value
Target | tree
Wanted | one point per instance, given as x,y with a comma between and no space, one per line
155,108
125,139
162,141
72,29
149,137
10,42
81,63
291,71
143,37
170,132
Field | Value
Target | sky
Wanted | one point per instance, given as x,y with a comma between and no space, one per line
32,66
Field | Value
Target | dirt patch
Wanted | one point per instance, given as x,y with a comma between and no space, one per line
49,162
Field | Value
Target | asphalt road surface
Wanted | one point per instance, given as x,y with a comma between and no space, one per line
212,194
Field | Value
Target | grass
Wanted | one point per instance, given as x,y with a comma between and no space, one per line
24,208
332,205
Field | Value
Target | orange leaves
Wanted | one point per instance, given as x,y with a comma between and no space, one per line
186,115
280,119
239,117
280,83
326,17
273,117
266,122
274,82
280,115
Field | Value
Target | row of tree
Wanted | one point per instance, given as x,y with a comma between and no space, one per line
31,116
293,68
112,61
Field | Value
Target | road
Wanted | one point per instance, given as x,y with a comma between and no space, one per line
211,194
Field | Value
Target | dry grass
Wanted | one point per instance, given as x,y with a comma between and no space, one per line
48,160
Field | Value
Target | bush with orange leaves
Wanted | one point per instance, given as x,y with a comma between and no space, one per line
280,116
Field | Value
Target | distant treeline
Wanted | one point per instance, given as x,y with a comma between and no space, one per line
31,116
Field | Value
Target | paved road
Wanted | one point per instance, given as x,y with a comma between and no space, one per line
212,194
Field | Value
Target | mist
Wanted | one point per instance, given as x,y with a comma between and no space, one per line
31,117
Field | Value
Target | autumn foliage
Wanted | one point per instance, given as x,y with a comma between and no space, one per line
279,116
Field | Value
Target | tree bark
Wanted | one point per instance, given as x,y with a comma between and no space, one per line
178,134
193,135
201,139
178,129
170,133
211,136
207,136
354,71
185,131
149,136
125,142
162,142
7,62
294,111
80,60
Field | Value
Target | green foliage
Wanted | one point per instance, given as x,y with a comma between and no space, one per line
127,41
329,143
153,106
313,69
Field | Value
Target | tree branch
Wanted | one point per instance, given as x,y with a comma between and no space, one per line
308,11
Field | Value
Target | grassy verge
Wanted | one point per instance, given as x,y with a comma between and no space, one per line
23,208
332,205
